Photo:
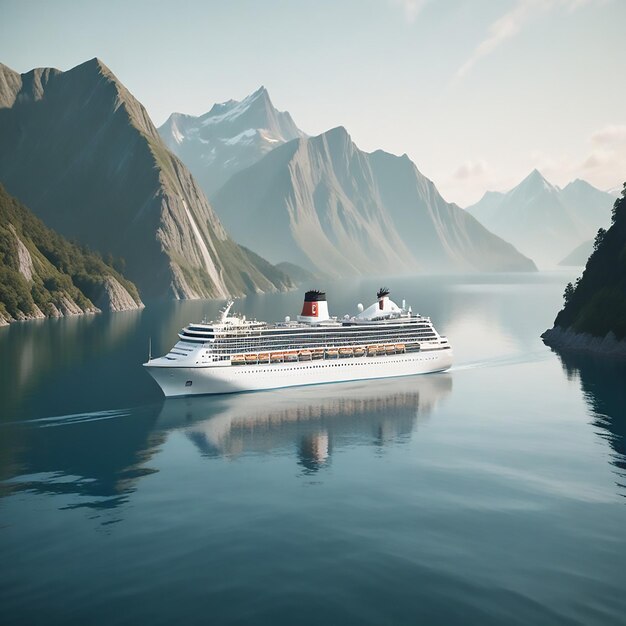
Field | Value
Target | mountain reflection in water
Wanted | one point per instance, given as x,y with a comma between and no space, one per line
603,384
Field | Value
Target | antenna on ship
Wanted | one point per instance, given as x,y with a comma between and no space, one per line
149,349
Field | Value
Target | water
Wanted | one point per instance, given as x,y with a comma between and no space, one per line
490,494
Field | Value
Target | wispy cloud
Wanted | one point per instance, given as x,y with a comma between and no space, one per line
472,169
613,135
512,22
411,8
603,164
608,151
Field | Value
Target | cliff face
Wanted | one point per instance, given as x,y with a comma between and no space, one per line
43,275
595,308
325,205
83,154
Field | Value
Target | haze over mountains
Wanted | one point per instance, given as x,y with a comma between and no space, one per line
542,220
322,203
579,255
83,154
230,137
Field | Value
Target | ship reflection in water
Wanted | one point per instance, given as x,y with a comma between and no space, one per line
97,460
314,419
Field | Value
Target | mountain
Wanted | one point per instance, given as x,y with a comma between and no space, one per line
44,275
594,315
230,137
327,206
542,220
81,152
579,255
298,274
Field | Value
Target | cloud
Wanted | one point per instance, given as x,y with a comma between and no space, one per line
614,135
411,8
604,163
509,24
471,169
608,152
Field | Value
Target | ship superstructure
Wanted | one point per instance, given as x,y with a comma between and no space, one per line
235,354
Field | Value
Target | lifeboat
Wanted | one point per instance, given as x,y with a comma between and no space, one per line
400,347
344,352
264,356
304,355
317,354
359,351
291,356
333,353
238,359
391,349
251,358
276,357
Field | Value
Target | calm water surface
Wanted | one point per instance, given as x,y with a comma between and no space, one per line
490,494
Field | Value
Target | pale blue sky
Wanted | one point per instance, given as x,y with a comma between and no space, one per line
476,92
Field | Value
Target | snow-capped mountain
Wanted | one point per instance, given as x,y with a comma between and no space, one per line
230,137
542,220
323,204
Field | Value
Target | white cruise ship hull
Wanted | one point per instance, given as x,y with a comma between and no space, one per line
226,378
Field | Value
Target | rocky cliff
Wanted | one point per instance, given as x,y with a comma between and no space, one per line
83,154
44,275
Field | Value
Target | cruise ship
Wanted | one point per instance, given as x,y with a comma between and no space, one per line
234,354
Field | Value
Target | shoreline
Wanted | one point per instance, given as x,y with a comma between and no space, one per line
569,340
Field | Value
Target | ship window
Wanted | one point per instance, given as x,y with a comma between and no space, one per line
188,383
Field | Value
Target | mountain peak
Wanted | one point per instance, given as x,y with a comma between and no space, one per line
578,183
535,181
229,137
536,175
338,131
261,95
96,64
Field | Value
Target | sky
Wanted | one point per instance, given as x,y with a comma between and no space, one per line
477,92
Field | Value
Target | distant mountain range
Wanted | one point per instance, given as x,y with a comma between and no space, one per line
80,151
232,136
44,275
333,209
542,220
579,255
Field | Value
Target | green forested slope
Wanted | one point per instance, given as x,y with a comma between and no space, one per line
596,304
43,274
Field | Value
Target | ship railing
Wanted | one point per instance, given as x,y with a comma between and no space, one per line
330,352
